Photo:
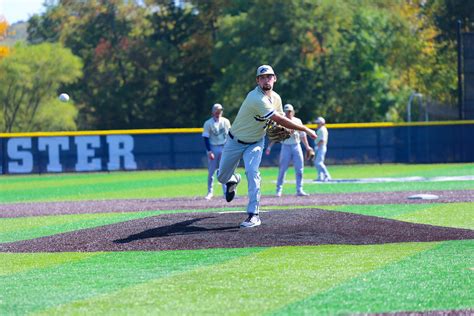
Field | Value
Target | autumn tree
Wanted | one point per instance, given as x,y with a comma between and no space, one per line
162,63
3,34
31,77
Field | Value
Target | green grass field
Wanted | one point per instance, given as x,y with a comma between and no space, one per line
177,183
316,280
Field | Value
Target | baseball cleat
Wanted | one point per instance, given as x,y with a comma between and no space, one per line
302,193
278,194
209,196
251,221
230,188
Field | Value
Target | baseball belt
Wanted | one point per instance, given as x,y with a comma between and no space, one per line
239,141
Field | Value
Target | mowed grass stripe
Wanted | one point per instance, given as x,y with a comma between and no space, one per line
384,187
254,284
98,190
177,176
379,210
421,170
187,183
383,170
162,189
53,180
457,215
12,263
440,278
23,228
89,186
43,288
460,215
80,187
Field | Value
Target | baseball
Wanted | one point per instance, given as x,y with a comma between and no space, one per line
64,97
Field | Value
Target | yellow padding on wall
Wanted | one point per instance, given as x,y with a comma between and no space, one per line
199,130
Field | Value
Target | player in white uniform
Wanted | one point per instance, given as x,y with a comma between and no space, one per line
246,140
320,147
291,150
214,132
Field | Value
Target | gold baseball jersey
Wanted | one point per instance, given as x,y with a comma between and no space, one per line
257,108
216,130
295,137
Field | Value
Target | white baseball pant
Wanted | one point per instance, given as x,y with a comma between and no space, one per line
252,156
288,153
212,166
322,171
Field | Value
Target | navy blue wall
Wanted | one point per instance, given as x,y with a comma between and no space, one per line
399,144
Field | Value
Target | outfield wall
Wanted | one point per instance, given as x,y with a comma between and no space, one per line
420,142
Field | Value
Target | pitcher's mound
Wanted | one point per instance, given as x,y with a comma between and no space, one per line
214,230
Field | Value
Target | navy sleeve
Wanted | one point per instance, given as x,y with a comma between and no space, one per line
206,142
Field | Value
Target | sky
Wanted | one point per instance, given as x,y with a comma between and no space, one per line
17,10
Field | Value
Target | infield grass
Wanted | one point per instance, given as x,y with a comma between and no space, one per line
192,183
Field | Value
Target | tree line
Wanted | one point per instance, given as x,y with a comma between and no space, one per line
159,64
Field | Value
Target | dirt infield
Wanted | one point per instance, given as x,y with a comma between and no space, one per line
220,230
77,207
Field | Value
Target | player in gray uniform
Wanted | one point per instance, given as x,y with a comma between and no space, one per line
320,147
246,140
214,132
291,150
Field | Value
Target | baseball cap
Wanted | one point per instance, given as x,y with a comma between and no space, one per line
288,107
265,70
216,107
320,120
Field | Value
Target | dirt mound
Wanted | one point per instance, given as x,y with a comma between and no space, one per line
220,230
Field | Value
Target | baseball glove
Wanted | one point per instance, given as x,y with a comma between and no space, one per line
310,154
276,132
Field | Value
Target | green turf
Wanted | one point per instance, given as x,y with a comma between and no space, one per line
256,283
440,278
401,170
329,279
458,215
335,188
12,263
316,280
191,183
87,275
